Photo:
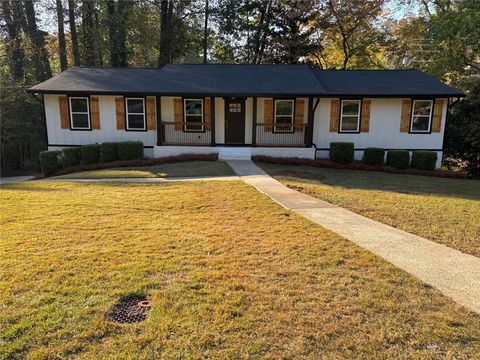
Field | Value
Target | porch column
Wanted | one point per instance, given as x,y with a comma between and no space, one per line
158,101
309,129
212,114
254,122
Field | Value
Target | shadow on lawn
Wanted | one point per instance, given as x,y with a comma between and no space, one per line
28,186
370,180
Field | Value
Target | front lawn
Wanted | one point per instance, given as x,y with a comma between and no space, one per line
172,170
443,210
230,274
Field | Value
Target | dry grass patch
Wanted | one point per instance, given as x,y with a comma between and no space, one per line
180,169
230,275
446,211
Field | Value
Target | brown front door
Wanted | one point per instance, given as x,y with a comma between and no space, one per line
234,121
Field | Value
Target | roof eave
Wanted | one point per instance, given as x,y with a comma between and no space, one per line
307,94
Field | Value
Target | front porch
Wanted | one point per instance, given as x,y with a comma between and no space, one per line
285,122
235,152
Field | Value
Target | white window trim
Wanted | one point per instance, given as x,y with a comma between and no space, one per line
429,117
351,116
292,117
185,115
127,113
79,112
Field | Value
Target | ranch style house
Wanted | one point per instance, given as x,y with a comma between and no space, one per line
242,110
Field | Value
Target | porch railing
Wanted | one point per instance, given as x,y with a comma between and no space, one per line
280,134
185,133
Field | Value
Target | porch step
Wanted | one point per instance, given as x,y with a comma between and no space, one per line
234,153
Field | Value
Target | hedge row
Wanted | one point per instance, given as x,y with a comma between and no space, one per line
52,161
343,153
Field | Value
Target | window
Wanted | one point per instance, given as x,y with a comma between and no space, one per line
350,116
135,113
193,113
235,107
283,115
421,116
79,113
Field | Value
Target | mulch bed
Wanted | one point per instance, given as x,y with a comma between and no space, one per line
358,165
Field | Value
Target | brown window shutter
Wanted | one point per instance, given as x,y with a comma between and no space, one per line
178,113
268,114
120,110
207,113
299,113
334,114
437,115
64,118
405,119
151,113
95,112
365,118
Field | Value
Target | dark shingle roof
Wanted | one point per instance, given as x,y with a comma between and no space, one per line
382,83
188,79
243,80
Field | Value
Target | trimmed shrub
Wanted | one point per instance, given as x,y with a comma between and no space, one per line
70,157
108,151
341,152
90,154
398,158
49,162
130,150
374,156
424,160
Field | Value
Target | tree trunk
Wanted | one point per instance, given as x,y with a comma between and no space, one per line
205,34
73,32
14,48
264,30
112,33
166,32
62,47
124,10
42,66
88,40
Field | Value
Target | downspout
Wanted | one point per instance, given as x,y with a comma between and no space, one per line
313,143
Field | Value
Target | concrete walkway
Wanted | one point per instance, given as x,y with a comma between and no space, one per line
454,273
14,179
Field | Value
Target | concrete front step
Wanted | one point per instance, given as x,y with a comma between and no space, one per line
234,153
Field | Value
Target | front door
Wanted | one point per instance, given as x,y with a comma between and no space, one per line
234,121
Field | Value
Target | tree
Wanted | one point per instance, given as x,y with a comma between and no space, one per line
37,38
22,134
351,31
14,47
166,32
89,30
205,34
73,32
118,19
462,139
291,37
62,47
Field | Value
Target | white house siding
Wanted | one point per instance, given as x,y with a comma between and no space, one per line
58,137
384,130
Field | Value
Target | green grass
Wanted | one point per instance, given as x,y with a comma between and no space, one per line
443,210
230,274
179,169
